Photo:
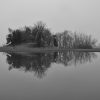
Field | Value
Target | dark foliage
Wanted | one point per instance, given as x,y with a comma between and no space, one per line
41,36
38,34
40,62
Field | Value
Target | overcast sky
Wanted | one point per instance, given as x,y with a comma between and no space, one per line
59,15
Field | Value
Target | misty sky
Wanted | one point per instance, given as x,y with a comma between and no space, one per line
59,15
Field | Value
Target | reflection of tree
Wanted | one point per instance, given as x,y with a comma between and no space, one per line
70,57
40,62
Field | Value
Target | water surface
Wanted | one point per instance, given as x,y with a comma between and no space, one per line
50,76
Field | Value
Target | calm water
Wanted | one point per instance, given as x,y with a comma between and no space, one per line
50,76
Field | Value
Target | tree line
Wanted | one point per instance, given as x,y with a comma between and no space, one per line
41,36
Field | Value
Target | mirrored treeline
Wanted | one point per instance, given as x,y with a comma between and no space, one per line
40,62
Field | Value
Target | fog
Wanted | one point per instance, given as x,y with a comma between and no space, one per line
59,15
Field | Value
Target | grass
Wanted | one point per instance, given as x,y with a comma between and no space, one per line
26,49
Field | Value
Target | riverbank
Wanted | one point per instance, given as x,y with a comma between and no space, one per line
23,48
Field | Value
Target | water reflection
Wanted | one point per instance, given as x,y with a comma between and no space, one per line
40,62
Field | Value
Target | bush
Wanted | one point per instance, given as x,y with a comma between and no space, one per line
38,34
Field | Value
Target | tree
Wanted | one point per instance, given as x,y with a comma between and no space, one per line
41,34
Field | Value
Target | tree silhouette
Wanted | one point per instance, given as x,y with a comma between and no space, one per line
41,36
37,34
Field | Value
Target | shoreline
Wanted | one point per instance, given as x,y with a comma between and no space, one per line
26,49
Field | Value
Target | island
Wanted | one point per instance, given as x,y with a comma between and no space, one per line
39,38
